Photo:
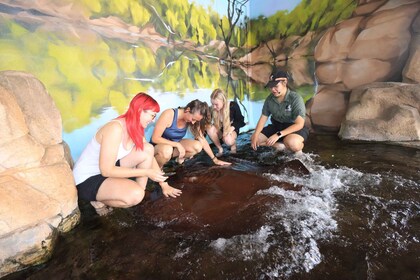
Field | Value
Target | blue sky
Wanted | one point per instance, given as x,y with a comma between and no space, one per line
256,7
270,7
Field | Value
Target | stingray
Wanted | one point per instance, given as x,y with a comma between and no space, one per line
217,201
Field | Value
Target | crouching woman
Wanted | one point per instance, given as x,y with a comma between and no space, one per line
114,167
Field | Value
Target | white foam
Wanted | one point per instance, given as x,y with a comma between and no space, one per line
182,253
297,226
247,246
289,243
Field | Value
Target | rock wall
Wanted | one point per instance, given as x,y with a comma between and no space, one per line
411,72
38,195
383,112
380,43
291,53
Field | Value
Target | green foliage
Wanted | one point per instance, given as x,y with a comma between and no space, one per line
307,16
88,72
170,18
201,28
306,91
145,59
139,14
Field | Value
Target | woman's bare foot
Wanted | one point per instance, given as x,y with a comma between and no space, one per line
233,149
220,152
100,208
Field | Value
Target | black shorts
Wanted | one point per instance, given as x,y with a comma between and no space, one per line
88,189
276,126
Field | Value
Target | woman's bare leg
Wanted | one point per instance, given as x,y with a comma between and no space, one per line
123,192
214,135
119,192
142,159
191,146
163,154
230,140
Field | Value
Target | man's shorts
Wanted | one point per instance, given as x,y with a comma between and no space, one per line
276,126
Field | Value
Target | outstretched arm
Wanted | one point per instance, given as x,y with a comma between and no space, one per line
167,190
209,152
110,136
260,125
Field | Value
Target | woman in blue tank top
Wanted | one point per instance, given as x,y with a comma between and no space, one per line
171,127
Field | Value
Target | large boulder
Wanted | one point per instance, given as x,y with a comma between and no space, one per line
411,73
378,44
38,195
383,112
325,112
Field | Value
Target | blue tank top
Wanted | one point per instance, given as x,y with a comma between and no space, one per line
173,133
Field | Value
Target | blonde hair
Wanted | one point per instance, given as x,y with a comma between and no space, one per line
218,122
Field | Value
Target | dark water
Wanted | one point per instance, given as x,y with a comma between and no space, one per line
355,216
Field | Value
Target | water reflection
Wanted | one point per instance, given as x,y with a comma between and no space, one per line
87,71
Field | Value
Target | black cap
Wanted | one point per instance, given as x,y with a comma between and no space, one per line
275,75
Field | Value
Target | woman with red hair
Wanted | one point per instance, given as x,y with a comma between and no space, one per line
117,153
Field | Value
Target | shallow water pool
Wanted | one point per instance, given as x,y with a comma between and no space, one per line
355,216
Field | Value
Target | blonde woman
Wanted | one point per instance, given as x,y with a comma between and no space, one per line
227,119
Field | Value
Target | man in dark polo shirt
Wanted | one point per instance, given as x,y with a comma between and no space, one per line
287,110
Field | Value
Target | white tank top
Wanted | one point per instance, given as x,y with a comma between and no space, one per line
88,163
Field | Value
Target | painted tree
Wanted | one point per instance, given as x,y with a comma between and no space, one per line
235,10
310,15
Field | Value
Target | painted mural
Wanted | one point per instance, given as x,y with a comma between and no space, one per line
96,54
356,65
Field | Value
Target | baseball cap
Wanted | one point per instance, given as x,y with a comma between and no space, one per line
275,75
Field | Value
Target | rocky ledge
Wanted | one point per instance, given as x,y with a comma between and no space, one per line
385,112
38,195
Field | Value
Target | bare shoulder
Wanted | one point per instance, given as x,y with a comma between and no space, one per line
113,128
166,117
168,112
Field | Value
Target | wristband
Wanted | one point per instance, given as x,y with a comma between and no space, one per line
278,133
213,158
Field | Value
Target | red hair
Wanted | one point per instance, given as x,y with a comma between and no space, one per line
140,102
